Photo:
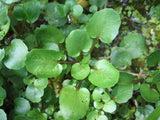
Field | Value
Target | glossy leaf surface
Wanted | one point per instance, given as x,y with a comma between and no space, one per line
104,75
3,115
74,103
104,24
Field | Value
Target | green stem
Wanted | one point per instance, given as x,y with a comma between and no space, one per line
28,18
66,62
14,30
97,39
79,85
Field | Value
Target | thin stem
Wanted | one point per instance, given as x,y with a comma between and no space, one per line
97,39
66,62
136,74
79,85
14,30
28,18
106,3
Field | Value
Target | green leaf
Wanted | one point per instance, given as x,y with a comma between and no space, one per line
28,80
153,59
77,10
124,89
120,58
94,115
22,106
142,113
149,94
49,34
31,7
4,20
110,106
41,83
155,114
78,40
2,54
135,44
155,11
98,3
34,94
16,55
60,11
10,1
2,93
43,63
52,17
21,117
3,115
35,114
74,103
30,41
104,75
104,24
80,71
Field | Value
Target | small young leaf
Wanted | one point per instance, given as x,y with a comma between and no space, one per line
22,105
135,44
3,115
80,71
34,94
41,83
104,75
77,10
76,41
110,106
98,3
104,24
43,63
74,103
153,59
16,55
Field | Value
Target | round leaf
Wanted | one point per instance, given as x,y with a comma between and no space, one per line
76,41
104,75
105,25
150,95
77,10
34,94
41,83
43,63
4,20
2,93
3,115
16,55
49,34
80,71
153,58
22,105
110,106
32,8
74,103
135,44
120,58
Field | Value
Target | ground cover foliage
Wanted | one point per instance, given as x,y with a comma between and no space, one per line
79,60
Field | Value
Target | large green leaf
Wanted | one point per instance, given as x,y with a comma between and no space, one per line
124,89
10,1
34,94
4,20
155,114
78,40
104,75
154,58
16,55
3,115
80,71
120,58
149,94
135,44
105,25
22,105
43,63
74,103
31,9
49,34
